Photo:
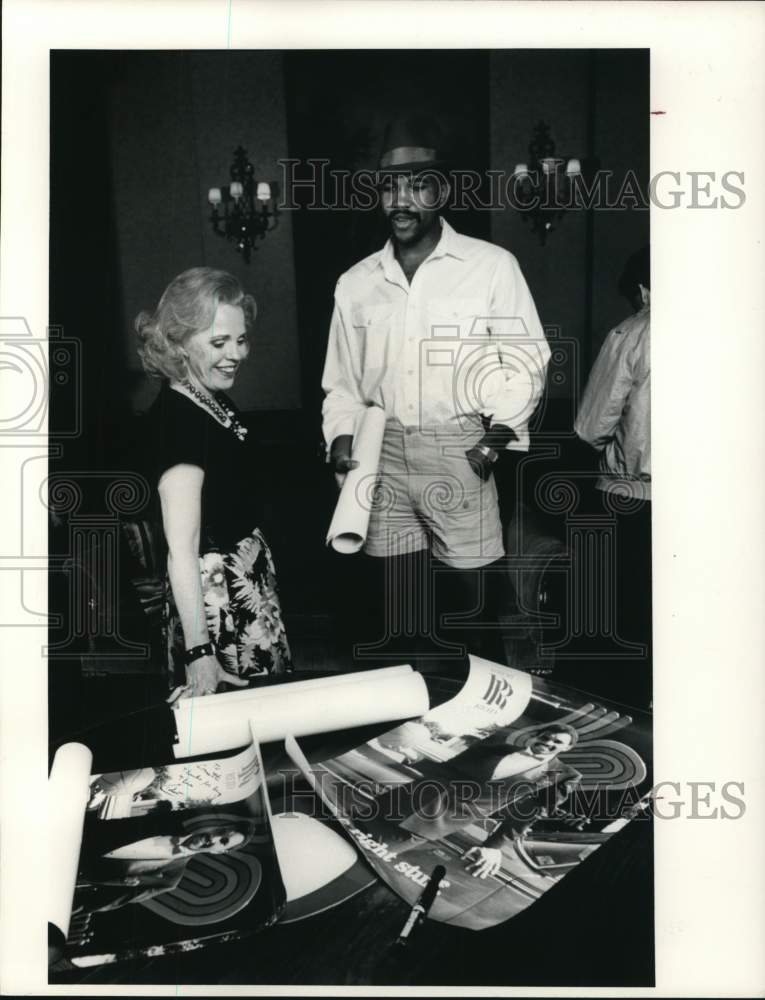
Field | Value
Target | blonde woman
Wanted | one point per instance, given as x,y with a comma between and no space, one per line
224,619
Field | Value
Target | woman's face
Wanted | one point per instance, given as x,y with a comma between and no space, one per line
213,356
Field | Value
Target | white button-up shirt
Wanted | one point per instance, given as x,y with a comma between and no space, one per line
463,339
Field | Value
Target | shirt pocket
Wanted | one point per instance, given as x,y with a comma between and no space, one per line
372,318
457,317
372,327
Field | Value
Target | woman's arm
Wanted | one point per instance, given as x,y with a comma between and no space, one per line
180,493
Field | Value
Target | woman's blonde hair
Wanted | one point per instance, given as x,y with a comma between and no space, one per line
188,305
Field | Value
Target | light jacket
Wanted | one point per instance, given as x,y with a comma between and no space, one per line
615,413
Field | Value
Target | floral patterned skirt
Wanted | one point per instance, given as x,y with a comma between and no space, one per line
244,617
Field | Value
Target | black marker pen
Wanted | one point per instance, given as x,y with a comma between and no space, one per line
423,904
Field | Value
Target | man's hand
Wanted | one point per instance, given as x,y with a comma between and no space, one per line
340,458
409,754
485,453
481,462
482,862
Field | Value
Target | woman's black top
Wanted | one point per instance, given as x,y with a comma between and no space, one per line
182,432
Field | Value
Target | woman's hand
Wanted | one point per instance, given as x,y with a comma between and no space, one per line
205,674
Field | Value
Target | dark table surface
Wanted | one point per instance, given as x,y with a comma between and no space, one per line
594,928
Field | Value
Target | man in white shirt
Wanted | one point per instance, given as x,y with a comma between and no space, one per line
441,331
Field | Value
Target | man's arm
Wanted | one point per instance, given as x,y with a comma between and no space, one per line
517,820
606,393
518,817
343,404
522,356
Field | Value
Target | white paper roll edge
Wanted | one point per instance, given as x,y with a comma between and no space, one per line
349,542
212,705
350,522
68,792
302,712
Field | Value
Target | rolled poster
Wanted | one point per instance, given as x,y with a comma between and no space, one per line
302,708
350,522
68,791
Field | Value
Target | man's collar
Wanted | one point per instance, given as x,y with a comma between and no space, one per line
450,244
387,260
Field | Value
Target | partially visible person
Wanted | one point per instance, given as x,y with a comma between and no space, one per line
615,413
224,619
615,418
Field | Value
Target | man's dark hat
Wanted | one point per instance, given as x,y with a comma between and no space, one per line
415,143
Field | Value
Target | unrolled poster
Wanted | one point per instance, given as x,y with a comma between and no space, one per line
174,857
510,785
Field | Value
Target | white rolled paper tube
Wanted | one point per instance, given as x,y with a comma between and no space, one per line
214,704
68,793
302,712
350,522
213,713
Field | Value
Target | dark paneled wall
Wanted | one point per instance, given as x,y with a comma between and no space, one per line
175,121
338,104
596,104
621,130
138,138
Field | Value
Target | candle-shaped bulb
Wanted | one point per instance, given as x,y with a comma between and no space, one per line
548,164
521,170
573,168
263,192
236,189
214,196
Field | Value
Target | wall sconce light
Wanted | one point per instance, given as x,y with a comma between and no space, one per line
245,210
544,188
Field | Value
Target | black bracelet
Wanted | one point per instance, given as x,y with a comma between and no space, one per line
488,452
197,652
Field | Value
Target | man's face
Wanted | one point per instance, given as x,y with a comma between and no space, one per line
411,205
549,744
216,842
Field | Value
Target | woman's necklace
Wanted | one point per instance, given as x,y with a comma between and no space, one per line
222,413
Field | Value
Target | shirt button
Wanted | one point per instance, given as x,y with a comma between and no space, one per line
411,371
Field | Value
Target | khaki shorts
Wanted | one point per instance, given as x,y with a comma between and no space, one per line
428,495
